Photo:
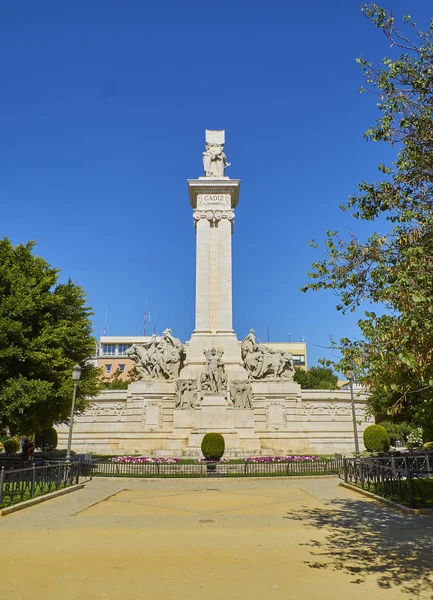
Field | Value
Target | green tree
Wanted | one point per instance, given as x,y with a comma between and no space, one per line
45,329
316,378
392,270
116,382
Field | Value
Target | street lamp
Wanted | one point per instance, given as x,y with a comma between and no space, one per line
355,425
76,374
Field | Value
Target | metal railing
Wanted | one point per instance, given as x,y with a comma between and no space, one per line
106,468
22,484
407,480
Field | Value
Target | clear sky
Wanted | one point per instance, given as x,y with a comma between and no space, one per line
103,108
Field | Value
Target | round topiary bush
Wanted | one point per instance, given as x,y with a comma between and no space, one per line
11,446
213,446
428,446
46,439
376,439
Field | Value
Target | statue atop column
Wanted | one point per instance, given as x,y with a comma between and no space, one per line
158,358
214,158
214,379
262,362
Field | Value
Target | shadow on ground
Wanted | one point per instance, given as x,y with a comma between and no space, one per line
363,538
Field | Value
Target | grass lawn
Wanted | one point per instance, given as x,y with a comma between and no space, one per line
422,491
9,501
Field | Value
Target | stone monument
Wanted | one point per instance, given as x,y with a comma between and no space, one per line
214,382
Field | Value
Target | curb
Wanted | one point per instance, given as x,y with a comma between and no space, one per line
234,478
394,505
27,503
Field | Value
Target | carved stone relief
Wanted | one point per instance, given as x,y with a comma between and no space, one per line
276,416
241,394
186,394
97,409
159,358
152,418
262,362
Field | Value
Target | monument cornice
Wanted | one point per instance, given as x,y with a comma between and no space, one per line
208,186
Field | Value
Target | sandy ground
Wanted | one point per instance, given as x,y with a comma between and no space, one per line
215,538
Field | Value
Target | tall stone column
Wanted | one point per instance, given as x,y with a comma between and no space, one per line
213,199
224,292
202,275
213,286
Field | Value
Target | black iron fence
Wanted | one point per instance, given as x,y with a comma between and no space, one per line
407,480
249,468
17,485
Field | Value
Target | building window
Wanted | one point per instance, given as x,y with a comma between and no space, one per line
108,369
122,348
109,349
122,368
299,360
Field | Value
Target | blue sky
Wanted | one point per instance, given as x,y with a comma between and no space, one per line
102,117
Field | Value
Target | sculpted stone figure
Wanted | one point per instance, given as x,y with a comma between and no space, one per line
158,359
266,363
186,394
214,379
214,160
241,394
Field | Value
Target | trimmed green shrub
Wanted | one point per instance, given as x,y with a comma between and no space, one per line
46,439
11,446
213,446
428,446
1,447
376,439
53,454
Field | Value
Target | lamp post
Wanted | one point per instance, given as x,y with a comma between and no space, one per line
76,374
355,426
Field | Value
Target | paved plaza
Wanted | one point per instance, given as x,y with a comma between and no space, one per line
215,538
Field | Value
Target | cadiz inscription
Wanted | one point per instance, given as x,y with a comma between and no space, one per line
213,199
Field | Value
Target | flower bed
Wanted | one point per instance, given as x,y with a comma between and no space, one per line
140,460
281,459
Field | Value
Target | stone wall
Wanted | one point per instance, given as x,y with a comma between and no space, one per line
284,420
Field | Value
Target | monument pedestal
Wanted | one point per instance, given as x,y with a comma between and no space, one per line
236,425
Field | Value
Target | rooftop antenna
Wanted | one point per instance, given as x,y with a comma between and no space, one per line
290,336
268,333
106,327
154,326
146,320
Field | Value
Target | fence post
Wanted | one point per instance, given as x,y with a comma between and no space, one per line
382,480
345,469
2,478
58,475
428,464
410,486
361,472
32,489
